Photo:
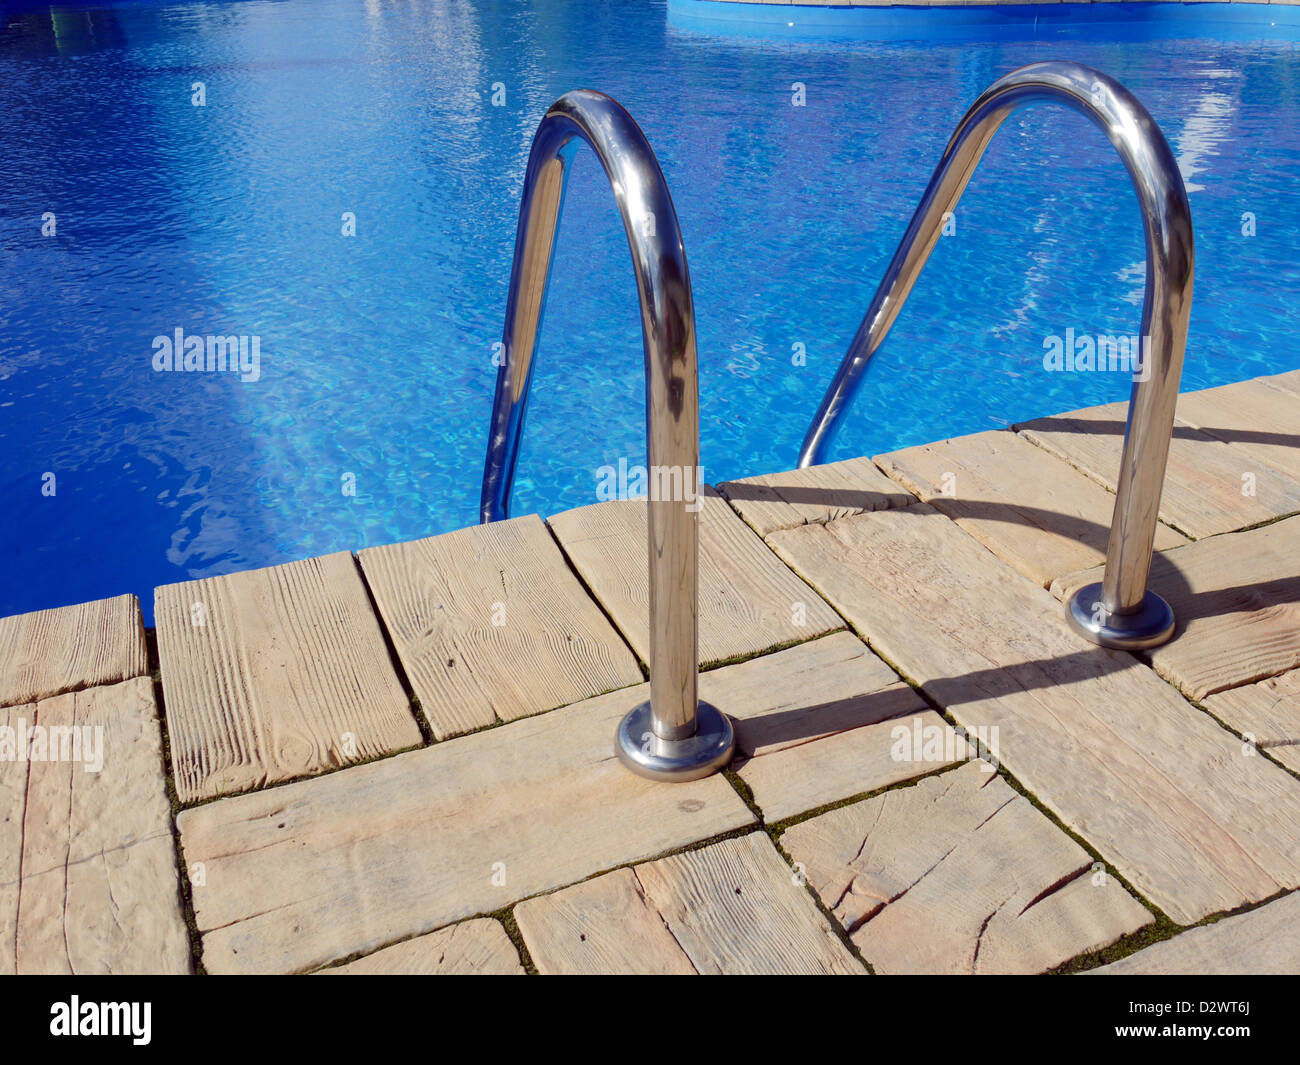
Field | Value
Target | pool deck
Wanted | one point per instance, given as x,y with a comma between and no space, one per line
401,760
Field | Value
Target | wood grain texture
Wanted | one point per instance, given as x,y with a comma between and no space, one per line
731,908
472,948
88,877
959,874
748,602
1236,602
1261,420
491,624
602,926
316,870
1206,489
69,648
1262,942
1267,714
815,494
1026,506
276,673
1154,784
737,908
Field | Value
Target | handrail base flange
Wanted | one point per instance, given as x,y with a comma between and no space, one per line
700,755
1149,626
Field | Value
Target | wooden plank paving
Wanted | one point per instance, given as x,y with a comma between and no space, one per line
1117,754
1261,420
1267,714
69,648
491,625
276,673
479,947
1262,942
817,723
1211,486
731,908
959,874
1025,505
748,602
816,494
88,877
1236,601
316,870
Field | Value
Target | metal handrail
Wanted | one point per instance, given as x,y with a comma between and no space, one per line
1119,611
672,736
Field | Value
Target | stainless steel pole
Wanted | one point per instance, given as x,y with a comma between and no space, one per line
1119,611
673,736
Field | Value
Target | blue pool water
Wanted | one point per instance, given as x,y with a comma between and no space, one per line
376,350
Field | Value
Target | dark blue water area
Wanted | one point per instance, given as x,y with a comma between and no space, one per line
376,349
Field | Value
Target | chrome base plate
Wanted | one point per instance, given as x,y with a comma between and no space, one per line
1150,626
697,756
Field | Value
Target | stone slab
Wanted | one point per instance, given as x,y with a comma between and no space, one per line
69,648
276,673
301,875
88,876
1150,781
1236,602
479,947
491,625
734,908
1026,506
959,874
1267,714
1210,486
748,602
1261,942
815,494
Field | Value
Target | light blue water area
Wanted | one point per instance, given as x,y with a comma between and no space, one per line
376,350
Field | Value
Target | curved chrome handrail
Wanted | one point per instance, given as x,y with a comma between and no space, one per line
1120,611
673,736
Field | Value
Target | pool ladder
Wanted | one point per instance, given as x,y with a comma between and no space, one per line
674,736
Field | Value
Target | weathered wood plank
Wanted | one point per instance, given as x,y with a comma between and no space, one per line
1211,487
816,494
1262,942
491,624
89,882
472,948
603,926
737,908
817,722
1023,504
319,869
70,647
731,908
276,673
748,602
959,874
1236,599
1121,758
1261,420
1267,713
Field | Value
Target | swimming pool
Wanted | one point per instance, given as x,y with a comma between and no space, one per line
364,419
